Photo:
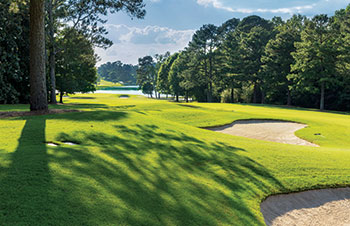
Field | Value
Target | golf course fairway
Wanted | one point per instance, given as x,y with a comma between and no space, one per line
141,161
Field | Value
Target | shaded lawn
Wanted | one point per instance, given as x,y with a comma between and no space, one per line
141,165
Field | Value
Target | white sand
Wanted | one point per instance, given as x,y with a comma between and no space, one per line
276,131
327,207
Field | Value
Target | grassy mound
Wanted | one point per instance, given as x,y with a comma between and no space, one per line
103,84
147,162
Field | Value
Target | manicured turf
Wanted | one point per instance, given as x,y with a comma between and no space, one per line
146,162
103,84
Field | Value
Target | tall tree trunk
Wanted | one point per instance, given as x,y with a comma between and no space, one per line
232,95
289,98
61,97
186,97
38,91
52,61
322,96
177,97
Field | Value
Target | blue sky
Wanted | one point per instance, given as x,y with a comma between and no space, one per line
169,24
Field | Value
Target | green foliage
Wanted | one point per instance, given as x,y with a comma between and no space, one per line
278,60
76,70
305,62
163,74
175,77
14,52
146,75
118,72
202,47
316,56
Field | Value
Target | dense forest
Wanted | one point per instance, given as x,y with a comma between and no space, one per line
118,72
301,61
64,35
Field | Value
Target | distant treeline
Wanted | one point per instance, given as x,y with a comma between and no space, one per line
118,72
302,61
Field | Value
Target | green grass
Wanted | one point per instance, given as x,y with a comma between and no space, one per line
103,84
147,162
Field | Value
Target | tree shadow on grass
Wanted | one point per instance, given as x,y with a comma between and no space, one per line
80,106
145,176
26,190
90,116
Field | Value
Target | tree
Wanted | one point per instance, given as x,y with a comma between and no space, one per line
255,33
341,98
160,59
76,70
14,52
146,74
278,59
118,72
163,85
86,16
175,77
229,52
38,92
316,55
203,45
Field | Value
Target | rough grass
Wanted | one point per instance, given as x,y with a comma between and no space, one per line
146,162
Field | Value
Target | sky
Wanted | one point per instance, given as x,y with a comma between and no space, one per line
170,24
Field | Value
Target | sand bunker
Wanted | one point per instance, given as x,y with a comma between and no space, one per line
276,131
312,208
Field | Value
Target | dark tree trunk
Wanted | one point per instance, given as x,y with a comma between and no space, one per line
186,97
289,98
38,91
52,61
177,97
232,95
322,96
61,97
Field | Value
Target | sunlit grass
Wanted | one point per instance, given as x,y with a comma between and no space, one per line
103,84
146,162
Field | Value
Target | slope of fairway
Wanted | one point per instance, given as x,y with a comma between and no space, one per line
147,162
103,84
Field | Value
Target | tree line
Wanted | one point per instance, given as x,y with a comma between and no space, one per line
118,72
301,61
48,45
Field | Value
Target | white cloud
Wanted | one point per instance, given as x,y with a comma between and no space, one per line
317,7
130,43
